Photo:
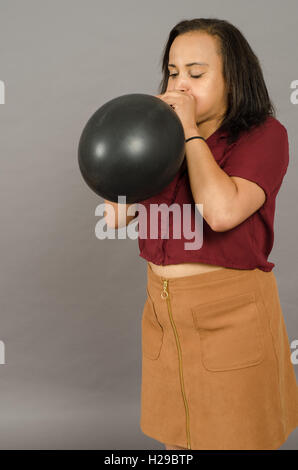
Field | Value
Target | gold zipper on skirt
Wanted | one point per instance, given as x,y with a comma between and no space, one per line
165,295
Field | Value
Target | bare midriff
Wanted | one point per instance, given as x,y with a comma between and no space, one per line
184,269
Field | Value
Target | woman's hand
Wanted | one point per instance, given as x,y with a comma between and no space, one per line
184,104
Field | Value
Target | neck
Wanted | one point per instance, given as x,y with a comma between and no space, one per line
208,127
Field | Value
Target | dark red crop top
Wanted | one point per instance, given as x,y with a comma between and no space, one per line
260,155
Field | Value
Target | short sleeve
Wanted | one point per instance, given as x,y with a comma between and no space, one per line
261,155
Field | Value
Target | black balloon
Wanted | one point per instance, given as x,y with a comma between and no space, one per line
131,146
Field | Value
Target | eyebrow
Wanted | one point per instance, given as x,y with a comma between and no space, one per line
189,65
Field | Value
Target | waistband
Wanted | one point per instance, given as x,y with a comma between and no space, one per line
194,280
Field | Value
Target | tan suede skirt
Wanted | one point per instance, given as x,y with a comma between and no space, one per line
216,366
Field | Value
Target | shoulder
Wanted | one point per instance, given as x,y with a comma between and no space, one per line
268,137
271,129
265,146
274,125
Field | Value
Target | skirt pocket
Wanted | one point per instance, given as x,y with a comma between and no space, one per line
152,331
230,332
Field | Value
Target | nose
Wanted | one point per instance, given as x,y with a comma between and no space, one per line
180,84
182,87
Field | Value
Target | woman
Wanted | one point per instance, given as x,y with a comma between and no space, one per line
216,368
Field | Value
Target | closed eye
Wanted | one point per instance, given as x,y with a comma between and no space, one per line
192,76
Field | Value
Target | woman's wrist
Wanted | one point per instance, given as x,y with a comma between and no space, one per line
193,132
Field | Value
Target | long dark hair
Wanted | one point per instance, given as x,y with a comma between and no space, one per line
248,101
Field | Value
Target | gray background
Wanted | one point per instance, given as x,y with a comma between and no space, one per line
71,304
